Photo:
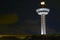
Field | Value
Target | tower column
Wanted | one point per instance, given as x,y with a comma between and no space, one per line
43,25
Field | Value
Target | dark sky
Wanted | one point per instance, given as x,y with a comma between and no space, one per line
28,8
25,10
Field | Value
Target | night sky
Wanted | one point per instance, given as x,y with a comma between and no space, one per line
28,21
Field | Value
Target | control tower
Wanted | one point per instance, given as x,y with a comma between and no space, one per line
43,11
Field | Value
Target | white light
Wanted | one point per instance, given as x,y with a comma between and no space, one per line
41,11
42,31
42,3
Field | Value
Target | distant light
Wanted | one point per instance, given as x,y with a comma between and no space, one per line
42,3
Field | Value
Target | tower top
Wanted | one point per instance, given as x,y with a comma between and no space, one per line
43,4
43,10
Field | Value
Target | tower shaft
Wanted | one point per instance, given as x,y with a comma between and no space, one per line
43,25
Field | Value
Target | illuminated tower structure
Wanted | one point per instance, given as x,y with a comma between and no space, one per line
43,11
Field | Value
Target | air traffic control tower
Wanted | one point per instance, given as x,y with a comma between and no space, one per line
43,11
